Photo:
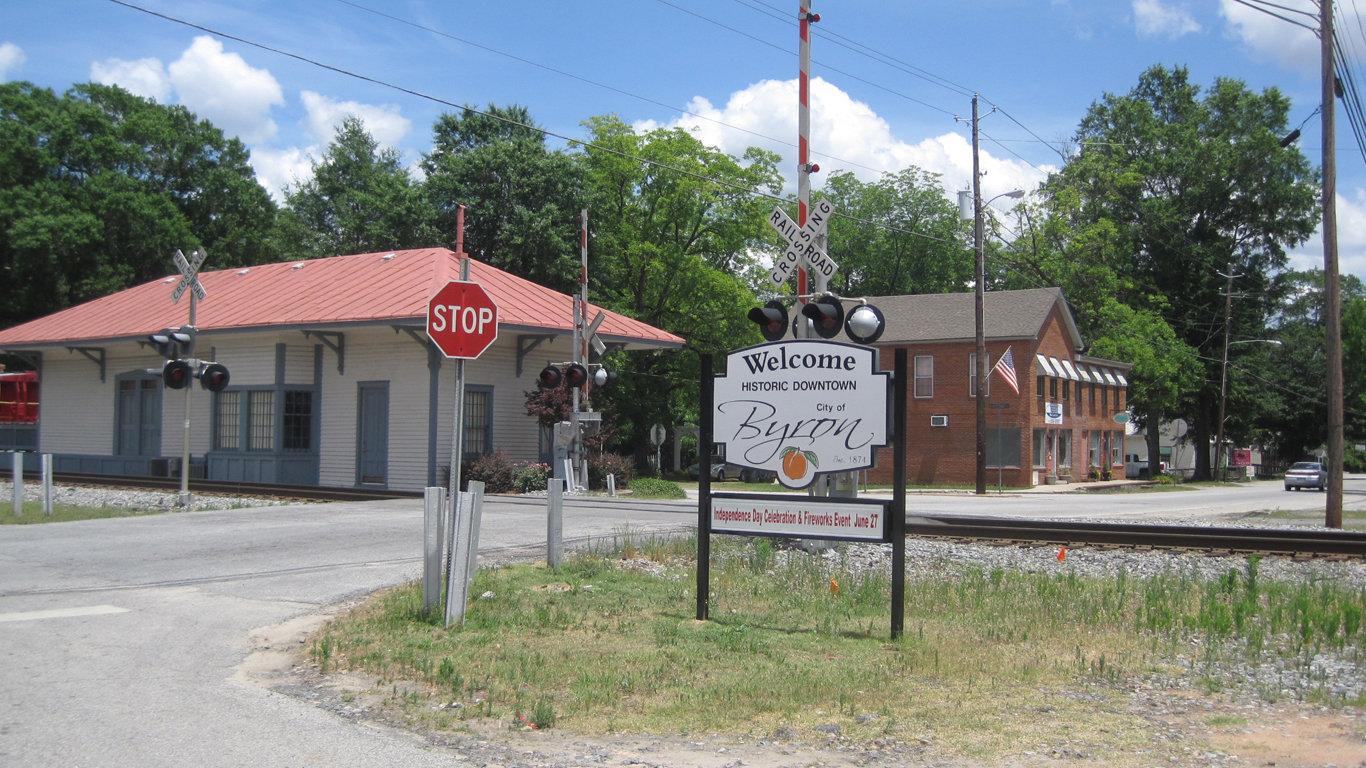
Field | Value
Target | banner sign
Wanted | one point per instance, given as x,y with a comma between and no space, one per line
801,408
805,517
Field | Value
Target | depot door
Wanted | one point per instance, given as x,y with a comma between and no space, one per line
372,439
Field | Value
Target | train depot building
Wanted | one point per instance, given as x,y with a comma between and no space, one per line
1061,425
334,381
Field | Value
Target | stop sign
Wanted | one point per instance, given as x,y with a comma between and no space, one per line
462,319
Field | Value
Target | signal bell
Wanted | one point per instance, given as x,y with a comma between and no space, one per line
771,319
865,324
602,377
826,314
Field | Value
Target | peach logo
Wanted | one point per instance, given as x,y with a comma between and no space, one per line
798,466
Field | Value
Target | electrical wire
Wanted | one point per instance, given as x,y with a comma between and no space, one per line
546,132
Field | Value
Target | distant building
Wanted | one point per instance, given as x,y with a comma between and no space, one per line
333,379
1060,425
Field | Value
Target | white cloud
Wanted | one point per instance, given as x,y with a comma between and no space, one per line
144,77
11,59
855,137
383,122
1153,19
1351,239
278,168
1266,35
224,89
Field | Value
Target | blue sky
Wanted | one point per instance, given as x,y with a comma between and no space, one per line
731,63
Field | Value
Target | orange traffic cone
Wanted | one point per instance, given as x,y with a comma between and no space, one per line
1062,554
834,588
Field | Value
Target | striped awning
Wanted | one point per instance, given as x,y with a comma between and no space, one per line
1082,373
1123,382
1044,368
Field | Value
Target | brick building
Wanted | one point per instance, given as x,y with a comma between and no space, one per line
1060,424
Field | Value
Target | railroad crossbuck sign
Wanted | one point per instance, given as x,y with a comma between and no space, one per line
801,244
189,274
462,319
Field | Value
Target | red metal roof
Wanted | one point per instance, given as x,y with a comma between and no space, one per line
380,287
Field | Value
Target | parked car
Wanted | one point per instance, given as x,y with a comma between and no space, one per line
1306,474
724,470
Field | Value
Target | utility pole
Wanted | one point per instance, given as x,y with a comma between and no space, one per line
979,299
1332,296
1223,376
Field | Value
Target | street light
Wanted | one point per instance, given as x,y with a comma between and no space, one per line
1223,394
982,369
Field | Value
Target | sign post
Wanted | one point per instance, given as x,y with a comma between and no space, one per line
462,321
189,278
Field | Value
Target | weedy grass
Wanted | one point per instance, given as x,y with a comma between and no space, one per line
990,661
65,513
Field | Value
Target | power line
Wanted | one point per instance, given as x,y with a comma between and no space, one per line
500,118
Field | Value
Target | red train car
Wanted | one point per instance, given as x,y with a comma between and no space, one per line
19,398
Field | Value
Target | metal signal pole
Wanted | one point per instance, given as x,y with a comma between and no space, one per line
1332,296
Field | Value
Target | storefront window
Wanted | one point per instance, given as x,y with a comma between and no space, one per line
1065,448
1039,455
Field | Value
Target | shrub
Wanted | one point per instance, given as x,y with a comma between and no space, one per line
604,464
650,488
530,476
493,468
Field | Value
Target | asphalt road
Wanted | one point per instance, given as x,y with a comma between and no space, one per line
121,640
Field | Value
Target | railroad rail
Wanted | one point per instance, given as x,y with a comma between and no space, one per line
1213,540
228,487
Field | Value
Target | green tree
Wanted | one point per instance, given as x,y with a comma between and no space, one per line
1193,186
522,199
674,244
359,200
898,235
99,187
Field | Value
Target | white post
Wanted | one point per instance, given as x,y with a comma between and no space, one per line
476,494
47,484
554,525
17,464
457,420
457,581
434,511
611,485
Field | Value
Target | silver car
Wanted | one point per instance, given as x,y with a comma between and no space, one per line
1306,474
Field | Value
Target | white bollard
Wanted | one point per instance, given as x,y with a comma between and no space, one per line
462,534
47,484
17,464
611,485
434,517
554,524
477,513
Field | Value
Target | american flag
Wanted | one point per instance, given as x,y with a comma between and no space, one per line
1006,367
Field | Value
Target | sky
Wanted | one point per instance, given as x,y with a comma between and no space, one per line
892,80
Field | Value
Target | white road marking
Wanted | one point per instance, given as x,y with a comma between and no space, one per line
61,613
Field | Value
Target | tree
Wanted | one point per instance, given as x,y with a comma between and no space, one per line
523,199
674,245
99,187
898,235
1193,187
360,200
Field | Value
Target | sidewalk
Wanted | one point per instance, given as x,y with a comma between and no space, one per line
1094,485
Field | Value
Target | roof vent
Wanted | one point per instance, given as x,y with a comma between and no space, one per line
169,280
300,265
387,257
243,271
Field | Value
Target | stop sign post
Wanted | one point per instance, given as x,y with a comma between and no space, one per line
462,320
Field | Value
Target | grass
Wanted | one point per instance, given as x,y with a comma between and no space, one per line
990,661
65,513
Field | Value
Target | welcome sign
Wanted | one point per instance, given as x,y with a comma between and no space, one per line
801,408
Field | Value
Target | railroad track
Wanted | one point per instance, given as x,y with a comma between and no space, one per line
1213,540
228,488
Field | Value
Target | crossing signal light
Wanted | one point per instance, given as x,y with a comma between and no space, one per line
826,315
550,377
771,319
176,374
602,377
213,377
575,376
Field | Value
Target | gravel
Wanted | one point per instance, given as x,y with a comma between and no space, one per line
131,500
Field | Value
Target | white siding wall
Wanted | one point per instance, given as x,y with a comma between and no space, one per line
76,411
299,360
